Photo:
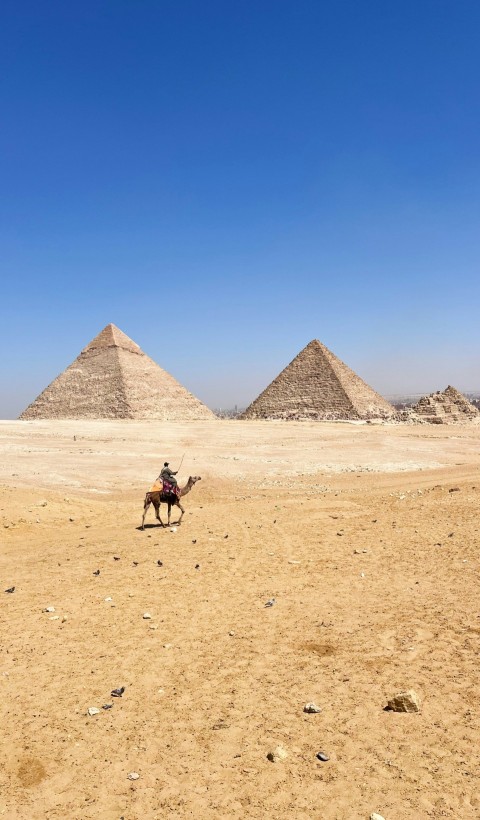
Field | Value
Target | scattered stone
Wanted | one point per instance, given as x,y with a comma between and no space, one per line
133,775
173,529
107,706
116,558
64,618
153,626
135,563
49,609
454,490
322,756
93,711
375,816
167,645
231,633
271,602
404,702
117,693
311,708
54,618
97,572
197,566
10,589
43,504
147,616
294,562
108,598
277,754
71,519
160,563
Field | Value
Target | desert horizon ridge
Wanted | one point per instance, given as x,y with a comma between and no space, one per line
366,536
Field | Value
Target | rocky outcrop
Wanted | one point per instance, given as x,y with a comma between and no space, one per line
318,385
113,378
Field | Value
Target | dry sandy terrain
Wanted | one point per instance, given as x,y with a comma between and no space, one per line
367,536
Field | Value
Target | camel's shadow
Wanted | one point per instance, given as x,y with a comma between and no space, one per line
159,526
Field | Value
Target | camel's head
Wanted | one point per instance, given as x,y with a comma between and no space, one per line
194,478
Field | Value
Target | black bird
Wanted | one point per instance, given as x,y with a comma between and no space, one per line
117,693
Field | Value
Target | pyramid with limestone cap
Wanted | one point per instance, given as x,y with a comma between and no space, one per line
113,378
318,385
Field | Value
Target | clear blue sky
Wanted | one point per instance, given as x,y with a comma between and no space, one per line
227,179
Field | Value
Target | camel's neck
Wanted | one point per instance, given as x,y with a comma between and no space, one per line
187,488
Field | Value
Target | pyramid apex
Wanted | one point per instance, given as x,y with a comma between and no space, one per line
112,336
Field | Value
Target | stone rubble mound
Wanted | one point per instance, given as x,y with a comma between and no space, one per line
447,407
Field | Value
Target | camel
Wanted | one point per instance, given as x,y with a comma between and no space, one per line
158,497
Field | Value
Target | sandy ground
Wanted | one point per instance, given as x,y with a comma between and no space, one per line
366,535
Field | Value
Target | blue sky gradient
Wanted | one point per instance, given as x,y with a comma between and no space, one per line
241,177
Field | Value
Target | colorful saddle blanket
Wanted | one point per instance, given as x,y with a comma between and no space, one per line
164,487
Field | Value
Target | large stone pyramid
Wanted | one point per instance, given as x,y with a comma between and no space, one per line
112,378
446,407
318,385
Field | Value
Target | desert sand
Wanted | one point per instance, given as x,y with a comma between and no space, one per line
367,537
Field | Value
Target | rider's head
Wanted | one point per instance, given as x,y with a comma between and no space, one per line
165,464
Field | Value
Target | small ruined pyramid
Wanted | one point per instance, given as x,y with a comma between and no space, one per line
446,407
113,378
317,385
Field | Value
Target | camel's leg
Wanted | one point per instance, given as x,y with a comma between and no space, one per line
157,512
182,511
169,512
146,505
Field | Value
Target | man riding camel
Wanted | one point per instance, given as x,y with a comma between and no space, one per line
167,475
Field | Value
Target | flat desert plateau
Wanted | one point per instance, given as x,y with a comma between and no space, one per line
366,535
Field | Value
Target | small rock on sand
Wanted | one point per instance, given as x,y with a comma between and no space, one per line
375,816
404,702
147,616
133,775
277,754
93,711
311,708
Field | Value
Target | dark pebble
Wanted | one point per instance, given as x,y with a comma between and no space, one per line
322,756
